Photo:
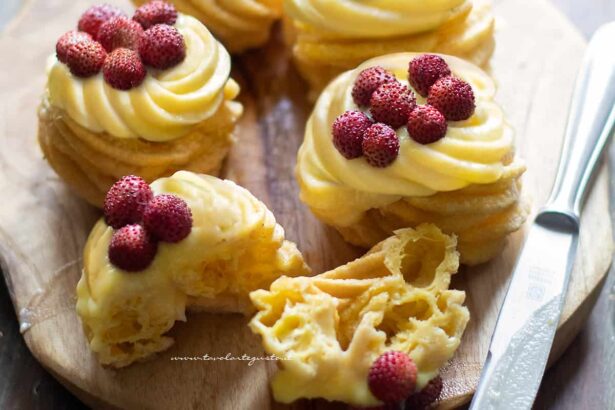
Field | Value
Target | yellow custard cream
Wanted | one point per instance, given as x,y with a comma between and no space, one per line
238,24
331,327
165,106
235,246
374,18
473,165
330,37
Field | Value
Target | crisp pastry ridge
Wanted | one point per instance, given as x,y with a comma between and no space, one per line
235,247
468,183
325,47
238,24
328,329
90,163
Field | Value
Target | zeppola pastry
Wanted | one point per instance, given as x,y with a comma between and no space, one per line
377,329
188,241
149,95
330,37
406,139
238,24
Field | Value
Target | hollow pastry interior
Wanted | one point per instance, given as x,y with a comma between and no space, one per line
328,329
235,246
324,47
238,24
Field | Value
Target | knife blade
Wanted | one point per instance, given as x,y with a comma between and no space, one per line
529,316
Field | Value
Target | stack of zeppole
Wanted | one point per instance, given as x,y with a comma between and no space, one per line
146,97
330,37
188,241
340,334
238,24
392,145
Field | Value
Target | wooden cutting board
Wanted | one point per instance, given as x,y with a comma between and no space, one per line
43,227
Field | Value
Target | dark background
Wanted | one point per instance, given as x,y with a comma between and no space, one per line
582,379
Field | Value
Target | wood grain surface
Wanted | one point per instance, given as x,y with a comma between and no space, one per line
584,377
271,133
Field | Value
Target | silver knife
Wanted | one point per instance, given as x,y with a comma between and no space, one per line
527,322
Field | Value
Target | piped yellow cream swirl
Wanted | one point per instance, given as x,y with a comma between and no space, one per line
374,18
476,151
165,106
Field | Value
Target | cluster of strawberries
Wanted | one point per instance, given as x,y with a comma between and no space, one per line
392,379
107,39
141,220
393,105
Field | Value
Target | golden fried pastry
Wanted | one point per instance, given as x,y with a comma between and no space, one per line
238,24
129,115
329,38
466,182
134,288
328,329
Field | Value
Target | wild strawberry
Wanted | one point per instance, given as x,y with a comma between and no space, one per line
123,69
452,97
426,124
425,70
85,57
120,32
168,218
162,47
132,248
367,82
429,394
348,130
392,377
392,103
155,12
380,145
67,40
93,17
126,201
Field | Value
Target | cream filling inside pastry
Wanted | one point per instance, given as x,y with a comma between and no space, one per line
235,246
328,329
165,106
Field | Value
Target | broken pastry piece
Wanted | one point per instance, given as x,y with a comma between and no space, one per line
188,241
330,329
